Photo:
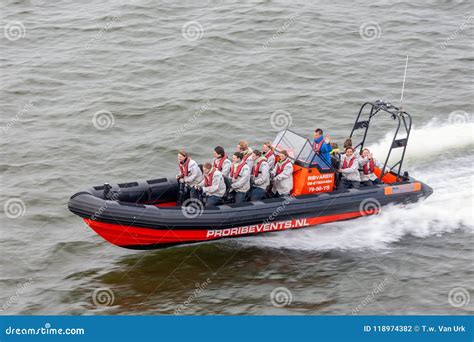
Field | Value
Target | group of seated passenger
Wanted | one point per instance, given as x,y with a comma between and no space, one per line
250,175
358,169
355,169
256,175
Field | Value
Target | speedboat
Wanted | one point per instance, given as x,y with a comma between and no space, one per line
145,215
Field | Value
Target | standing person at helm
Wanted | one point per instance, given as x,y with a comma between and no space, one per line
321,145
269,153
221,162
260,178
349,170
282,176
240,177
246,151
189,175
213,185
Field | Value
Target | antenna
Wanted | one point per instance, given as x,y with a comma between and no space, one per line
403,85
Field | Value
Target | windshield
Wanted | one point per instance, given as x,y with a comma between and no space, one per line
298,148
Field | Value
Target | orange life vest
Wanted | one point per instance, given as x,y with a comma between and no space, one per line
369,167
246,156
208,178
183,168
281,167
221,162
235,174
317,146
256,168
344,166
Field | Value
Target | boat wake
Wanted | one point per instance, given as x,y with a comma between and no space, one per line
434,152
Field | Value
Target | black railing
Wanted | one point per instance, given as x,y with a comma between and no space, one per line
396,114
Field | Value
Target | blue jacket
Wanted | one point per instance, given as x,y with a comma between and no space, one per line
325,149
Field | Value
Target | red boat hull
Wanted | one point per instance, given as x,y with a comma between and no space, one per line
145,238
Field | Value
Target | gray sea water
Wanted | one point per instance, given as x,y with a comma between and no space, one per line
107,91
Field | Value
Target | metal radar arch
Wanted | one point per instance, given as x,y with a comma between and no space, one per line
367,113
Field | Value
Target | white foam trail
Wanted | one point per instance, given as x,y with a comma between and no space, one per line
430,140
448,209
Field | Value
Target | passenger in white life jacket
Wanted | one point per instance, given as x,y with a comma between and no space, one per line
282,176
260,178
368,164
240,177
221,162
189,175
246,151
213,185
269,153
349,170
